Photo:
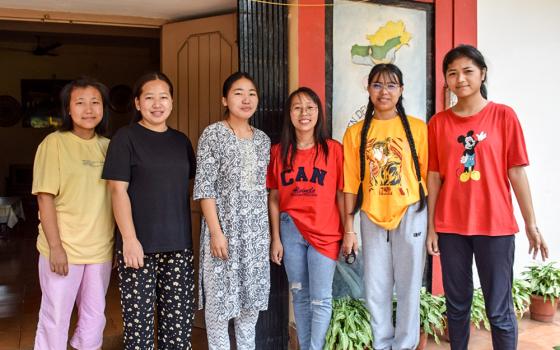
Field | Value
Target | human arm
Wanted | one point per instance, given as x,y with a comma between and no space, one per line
133,253
434,186
218,241
350,241
276,248
58,259
520,185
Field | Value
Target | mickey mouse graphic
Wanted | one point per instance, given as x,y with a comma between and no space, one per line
468,157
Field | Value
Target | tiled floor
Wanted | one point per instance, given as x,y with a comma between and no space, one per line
20,297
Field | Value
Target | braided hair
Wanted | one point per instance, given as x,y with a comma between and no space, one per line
288,140
389,70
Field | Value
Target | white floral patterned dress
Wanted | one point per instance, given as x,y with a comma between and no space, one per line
233,171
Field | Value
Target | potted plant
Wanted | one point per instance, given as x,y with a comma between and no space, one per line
521,293
478,310
350,326
545,290
432,317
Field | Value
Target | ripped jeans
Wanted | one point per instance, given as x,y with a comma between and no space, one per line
310,275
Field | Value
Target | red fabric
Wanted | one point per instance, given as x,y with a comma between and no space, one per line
308,194
472,204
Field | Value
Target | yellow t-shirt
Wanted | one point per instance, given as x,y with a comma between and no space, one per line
390,184
69,168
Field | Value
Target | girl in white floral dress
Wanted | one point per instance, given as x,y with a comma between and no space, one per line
230,183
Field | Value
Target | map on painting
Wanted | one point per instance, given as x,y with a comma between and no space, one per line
383,45
382,48
366,34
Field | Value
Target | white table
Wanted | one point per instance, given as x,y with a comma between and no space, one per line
11,210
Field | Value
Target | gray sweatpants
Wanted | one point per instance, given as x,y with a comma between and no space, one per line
394,258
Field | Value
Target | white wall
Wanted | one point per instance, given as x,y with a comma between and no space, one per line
520,41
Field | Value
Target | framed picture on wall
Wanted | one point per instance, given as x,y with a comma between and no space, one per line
41,103
361,34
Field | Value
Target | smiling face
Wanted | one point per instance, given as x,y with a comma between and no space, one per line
384,92
85,109
155,103
242,99
464,78
304,113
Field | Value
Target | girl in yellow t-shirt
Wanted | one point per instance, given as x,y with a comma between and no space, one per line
385,163
76,231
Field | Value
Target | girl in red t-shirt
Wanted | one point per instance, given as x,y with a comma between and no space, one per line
477,151
305,204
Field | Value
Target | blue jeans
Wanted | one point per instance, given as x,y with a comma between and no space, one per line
310,274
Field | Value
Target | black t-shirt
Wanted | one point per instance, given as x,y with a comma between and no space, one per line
157,166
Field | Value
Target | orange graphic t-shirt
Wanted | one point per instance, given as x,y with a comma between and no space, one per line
390,184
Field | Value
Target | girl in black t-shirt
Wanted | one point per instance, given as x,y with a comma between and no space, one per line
148,166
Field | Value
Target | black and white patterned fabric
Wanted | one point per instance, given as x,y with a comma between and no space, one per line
233,171
244,326
164,285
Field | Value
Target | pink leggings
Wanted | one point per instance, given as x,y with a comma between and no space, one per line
85,285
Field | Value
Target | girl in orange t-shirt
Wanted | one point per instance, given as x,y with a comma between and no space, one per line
477,151
305,204
385,162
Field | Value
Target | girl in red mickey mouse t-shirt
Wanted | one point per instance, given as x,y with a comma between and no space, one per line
477,150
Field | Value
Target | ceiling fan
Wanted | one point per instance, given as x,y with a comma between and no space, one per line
45,50
39,49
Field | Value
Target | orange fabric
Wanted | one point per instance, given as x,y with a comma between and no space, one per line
473,155
308,194
390,184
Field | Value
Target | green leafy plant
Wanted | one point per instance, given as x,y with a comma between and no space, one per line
544,280
432,314
521,293
350,327
478,310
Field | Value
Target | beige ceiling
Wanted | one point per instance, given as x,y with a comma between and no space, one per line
168,10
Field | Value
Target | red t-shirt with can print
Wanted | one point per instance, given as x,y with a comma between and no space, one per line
472,155
308,194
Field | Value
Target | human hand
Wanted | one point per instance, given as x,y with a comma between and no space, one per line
536,242
349,243
133,253
219,245
58,260
276,251
432,245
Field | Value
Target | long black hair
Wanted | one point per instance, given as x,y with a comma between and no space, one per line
393,73
472,53
143,80
66,94
288,140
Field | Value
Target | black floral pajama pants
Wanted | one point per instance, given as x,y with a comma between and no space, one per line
164,285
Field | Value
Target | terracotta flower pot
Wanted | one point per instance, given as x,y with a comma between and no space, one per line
423,341
542,311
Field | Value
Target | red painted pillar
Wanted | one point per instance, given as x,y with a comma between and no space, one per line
311,46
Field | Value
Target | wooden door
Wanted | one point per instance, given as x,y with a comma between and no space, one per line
198,55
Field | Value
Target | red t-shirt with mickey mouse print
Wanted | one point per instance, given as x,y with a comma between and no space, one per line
472,155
